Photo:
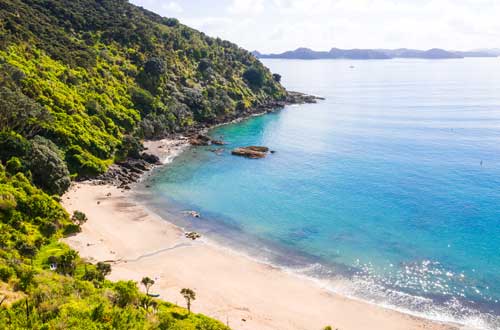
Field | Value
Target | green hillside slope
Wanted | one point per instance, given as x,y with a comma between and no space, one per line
81,83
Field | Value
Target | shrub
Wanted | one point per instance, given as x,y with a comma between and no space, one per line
71,229
20,113
13,165
7,201
254,77
130,147
47,167
12,145
6,273
143,100
79,218
127,293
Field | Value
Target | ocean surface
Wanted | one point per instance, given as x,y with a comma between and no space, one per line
388,190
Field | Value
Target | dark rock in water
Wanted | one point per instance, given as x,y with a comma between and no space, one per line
193,214
200,140
257,148
272,151
192,235
217,151
253,152
218,142
151,159
300,98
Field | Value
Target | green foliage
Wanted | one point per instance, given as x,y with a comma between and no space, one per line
189,295
47,167
254,76
131,147
13,165
81,82
148,283
79,217
75,295
20,113
85,73
12,145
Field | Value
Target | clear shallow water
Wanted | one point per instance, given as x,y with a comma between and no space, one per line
389,190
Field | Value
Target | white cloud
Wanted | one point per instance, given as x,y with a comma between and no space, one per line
172,7
278,25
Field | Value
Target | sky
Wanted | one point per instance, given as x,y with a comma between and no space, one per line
271,26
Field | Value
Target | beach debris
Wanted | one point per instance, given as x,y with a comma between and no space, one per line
253,152
194,214
108,194
154,295
192,235
98,202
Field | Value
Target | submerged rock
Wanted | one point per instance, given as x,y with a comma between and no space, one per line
253,152
194,214
218,142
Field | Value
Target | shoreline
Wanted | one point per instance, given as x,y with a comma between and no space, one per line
246,293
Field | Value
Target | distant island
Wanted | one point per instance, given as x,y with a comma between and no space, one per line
378,54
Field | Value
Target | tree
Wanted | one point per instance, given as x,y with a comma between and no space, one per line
254,77
148,283
277,77
45,162
21,114
103,268
67,262
126,293
188,295
79,218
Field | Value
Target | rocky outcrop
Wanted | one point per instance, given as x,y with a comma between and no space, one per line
150,158
301,98
200,140
192,235
253,152
123,174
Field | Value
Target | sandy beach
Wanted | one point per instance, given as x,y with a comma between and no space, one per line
239,291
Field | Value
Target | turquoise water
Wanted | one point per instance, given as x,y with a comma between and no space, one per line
389,190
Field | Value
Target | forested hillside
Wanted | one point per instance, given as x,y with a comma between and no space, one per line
81,83
93,71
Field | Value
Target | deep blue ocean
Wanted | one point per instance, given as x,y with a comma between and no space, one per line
388,190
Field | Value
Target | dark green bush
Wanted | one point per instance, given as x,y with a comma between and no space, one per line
254,77
13,165
47,166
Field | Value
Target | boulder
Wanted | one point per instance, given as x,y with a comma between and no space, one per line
151,159
200,140
253,152
218,142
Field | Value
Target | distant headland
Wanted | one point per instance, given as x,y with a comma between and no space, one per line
378,54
